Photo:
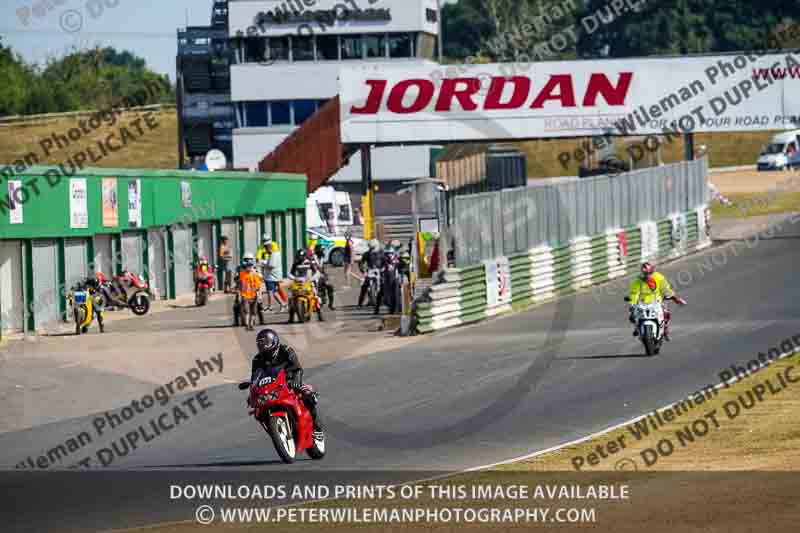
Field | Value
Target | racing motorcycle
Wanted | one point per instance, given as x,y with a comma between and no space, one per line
283,415
649,321
303,302
125,290
203,283
85,302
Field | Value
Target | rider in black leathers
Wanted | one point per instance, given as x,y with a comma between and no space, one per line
372,258
273,354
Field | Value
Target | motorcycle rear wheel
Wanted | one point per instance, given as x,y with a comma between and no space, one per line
282,437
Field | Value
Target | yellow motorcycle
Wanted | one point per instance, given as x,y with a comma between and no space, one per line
303,301
86,303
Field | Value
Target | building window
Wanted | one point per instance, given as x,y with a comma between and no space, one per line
375,46
302,48
279,48
255,50
281,113
352,47
401,45
328,47
303,109
256,114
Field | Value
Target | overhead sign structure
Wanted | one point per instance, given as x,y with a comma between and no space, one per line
570,98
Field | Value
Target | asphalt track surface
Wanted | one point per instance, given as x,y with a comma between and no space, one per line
386,411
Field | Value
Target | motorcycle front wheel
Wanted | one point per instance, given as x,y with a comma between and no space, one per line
140,304
650,343
280,430
77,317
201,297
302,311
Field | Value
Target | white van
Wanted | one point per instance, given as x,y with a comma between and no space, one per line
324,201
782,152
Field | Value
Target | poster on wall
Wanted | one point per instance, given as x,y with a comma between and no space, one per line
135,203
110,202
649,240
78,207
15,199
186,194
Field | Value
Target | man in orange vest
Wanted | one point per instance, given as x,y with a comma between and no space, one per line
250,282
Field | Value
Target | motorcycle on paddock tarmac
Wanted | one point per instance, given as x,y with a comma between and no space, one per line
125,290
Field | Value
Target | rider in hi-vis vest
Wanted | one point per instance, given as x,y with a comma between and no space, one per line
652,286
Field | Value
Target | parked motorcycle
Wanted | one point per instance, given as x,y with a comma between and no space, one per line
649,321
125,290
203,283
85,302
283,415
303,302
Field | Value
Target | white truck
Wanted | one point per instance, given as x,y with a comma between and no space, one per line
322,203
782,152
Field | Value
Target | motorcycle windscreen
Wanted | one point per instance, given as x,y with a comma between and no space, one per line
270,374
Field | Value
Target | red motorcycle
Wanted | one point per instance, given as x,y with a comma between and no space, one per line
203,283
125,290
283,415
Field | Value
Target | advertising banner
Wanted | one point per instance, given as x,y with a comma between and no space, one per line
498,281
703,227
110,202
570,98
78,206
135,203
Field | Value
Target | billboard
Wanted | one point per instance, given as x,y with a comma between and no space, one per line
570,98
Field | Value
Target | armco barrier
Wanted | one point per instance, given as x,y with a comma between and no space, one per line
459,296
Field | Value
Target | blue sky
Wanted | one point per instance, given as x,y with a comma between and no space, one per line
145,27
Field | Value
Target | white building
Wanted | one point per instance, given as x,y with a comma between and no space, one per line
287,55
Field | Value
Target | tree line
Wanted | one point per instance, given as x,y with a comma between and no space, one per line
79,80
509,30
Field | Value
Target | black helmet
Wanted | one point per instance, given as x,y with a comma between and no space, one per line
268,343
301,255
